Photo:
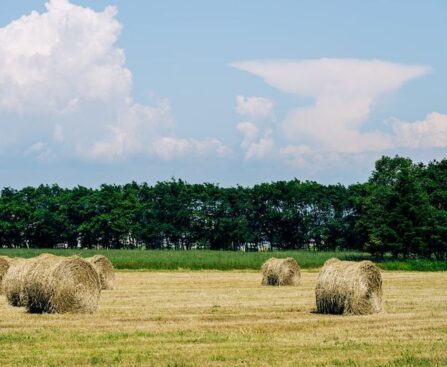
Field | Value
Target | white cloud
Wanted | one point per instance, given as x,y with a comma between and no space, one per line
255,147
425,134
62,74
210,146
40,150
254,108
326,76
260,149
257,142
428,133
169,147
250,132
136,129
51,60
344,91
296,155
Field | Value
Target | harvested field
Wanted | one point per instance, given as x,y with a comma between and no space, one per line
229,318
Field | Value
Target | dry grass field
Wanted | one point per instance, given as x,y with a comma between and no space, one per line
228,318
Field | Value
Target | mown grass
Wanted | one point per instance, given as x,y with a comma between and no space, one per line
223,260
221,319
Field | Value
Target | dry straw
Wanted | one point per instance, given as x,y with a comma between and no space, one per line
13,281
55,284
7,258
349,288
104,268
281,272
4,266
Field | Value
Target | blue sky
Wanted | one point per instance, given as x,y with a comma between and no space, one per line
234,92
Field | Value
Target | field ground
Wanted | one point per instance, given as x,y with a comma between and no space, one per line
224,260
210,318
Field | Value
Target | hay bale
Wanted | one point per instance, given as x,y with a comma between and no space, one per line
4,266
54,284
104,268
281,272
13,281
349,288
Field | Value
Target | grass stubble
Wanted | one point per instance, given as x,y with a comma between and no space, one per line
229,319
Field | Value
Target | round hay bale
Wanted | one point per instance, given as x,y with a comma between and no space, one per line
281,272
104,268
13,281
54,284
4,266
349,288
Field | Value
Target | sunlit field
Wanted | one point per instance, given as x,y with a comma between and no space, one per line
211,318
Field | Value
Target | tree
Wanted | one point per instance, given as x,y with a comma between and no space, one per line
397,209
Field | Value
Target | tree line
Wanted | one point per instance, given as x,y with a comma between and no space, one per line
401,210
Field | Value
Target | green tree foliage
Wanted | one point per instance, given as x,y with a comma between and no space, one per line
401,209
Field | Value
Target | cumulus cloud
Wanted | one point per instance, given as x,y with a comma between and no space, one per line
64,77
250,132
430,132
134,132
254,108
168,147
257,140
255,147
261,148
210,146
344,92
52,61
296,155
